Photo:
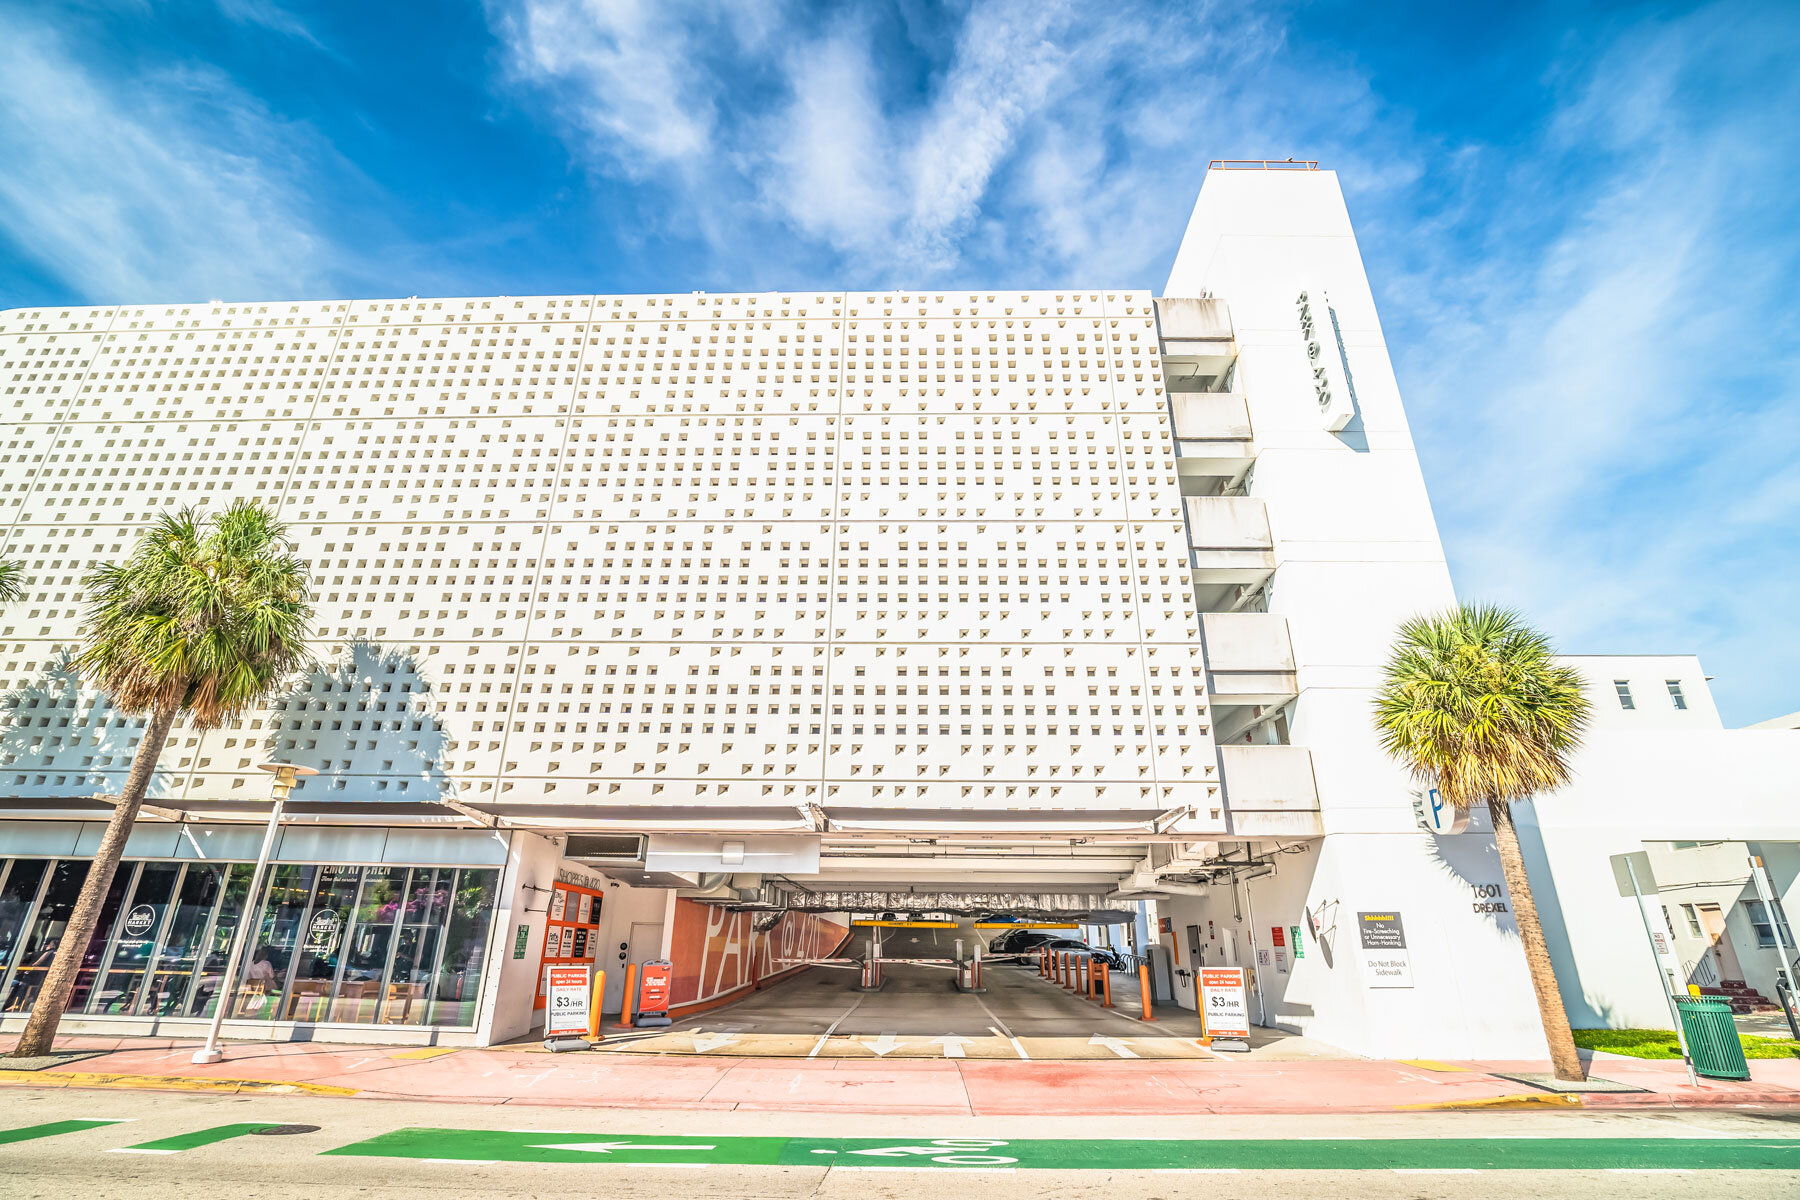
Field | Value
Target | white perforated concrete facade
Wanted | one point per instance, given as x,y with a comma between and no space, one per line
674,561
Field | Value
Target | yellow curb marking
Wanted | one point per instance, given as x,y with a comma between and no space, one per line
1430,1064
1517,1101
169,1083
428,1052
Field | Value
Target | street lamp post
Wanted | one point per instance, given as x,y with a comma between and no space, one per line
285,774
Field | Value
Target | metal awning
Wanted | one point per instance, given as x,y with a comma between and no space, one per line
227,812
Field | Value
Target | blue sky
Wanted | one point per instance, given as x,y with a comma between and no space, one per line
1580,222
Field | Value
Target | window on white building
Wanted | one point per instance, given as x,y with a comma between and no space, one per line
1623,688
1674,686
1693,920
1759,920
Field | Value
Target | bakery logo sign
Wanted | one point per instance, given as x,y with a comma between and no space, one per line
1386,961
139,920
1325,358
323,933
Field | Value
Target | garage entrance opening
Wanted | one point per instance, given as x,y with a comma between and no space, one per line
919,1011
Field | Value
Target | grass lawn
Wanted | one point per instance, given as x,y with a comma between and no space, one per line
1661,1043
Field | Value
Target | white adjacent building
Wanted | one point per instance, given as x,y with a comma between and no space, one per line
680,626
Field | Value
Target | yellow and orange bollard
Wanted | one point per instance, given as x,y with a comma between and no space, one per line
1144,990
625,1004
594,1005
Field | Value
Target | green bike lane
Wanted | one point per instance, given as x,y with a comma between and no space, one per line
302,1138
1109,1154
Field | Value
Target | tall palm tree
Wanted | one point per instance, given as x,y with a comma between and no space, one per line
1474,703
12,581
204,618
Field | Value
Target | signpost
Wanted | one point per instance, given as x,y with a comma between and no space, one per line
566,1007
653,993
1387,963
1224,1007
1632,874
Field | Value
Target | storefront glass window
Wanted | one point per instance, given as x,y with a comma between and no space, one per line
95,953
278,936
415,955
129,959
370,940
18,895
333,944
172,971
465,948
321,944
214,945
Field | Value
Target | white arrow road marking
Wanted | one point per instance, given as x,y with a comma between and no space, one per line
953,1044
704,1042
1114,1044
609,1147
884,1045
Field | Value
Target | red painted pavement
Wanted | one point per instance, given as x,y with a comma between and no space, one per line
977,1087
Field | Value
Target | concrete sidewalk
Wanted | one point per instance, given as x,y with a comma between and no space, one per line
877,1085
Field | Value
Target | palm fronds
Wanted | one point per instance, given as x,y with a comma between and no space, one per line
203,616
1475,704
12,581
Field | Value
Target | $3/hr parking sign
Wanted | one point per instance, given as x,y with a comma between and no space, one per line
565,1002
1222,1003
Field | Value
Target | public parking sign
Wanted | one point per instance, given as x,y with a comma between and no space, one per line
1223,1006
566,1002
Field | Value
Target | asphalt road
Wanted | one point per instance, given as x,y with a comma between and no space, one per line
919,1013
134,1143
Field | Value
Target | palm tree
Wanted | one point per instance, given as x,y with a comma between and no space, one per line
12,581
204,618
1476,705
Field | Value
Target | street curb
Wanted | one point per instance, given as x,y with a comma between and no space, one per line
170,1083
1521,1100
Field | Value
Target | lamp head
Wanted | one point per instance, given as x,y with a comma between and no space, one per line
285,774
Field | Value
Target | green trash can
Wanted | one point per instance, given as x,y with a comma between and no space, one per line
1712,1038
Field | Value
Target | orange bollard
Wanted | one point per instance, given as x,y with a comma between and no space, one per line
1068,971
594,1007
1044,963
1144,990
625,1004
1105,986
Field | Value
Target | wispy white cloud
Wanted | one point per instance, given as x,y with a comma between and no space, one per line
176,185
271,16
912,163
1605,400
